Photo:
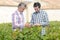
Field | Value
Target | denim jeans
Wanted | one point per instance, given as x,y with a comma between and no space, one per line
43,31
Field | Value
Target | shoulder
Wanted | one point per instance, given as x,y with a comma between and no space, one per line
33,13
15,13
43,12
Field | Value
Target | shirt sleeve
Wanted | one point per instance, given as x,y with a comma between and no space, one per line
15,20
45,19
32,21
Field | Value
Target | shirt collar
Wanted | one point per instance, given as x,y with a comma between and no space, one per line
38,12
20,13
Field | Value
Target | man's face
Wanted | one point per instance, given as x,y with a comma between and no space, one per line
36,9
21,9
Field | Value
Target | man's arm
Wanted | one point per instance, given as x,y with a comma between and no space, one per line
45,19
32,20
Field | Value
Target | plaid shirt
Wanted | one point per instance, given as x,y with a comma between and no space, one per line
40,17
17,19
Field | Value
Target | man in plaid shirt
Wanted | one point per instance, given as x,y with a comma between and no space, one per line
18,17
39,17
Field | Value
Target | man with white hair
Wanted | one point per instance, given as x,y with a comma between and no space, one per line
18,17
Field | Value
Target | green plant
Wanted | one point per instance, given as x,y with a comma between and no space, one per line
33,33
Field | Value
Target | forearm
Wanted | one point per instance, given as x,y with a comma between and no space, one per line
45,23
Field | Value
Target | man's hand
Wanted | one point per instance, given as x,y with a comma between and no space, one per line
37,24
27,25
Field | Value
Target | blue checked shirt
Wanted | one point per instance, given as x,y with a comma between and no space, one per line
40,17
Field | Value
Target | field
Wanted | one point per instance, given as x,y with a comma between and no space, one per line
33,33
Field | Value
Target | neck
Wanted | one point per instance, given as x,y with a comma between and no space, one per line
19,10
